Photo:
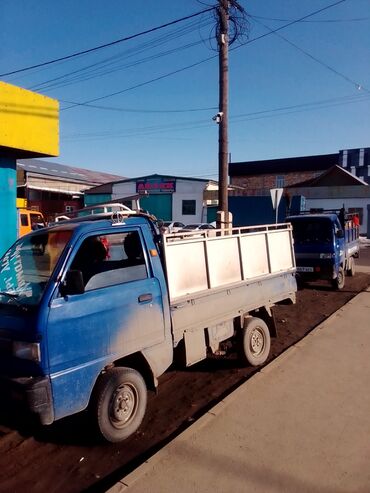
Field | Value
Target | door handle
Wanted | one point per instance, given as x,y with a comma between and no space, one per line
145,297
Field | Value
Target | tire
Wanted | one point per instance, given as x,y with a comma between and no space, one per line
255,342
119,403
352,267
338,282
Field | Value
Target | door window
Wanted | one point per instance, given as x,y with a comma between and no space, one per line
24,220
107,260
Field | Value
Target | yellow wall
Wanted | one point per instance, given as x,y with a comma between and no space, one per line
28,121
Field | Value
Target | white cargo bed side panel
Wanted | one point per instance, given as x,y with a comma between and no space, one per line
280,250
186,268
223,261
254,256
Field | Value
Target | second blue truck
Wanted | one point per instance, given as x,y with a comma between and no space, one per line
326,244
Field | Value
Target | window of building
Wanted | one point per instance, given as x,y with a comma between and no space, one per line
188,207
110,260
280,181
358,210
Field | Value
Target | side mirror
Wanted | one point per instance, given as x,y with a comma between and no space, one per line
73,283
340,233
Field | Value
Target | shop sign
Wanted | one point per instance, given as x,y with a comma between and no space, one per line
156,185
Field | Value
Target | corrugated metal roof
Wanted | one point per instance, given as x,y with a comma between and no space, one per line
67,172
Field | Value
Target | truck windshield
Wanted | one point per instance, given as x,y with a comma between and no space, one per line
26,267
312,230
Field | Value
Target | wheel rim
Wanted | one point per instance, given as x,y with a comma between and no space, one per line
123,405
340,278
257,341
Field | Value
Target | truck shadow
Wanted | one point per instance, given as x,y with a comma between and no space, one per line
74,430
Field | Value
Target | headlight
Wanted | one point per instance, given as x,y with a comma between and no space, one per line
326,255
27,350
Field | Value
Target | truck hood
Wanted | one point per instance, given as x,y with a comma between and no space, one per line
16,324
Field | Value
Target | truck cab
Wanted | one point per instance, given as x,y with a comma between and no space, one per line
29,220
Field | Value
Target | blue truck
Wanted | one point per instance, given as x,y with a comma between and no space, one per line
94,310
326,243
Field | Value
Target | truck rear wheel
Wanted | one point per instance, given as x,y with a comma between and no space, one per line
351,267
255,342
119,403
338,282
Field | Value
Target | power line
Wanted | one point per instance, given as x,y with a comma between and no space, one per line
244,117
112,43
358,19
86,103
301,19
141,84
317,60
154,111
109,65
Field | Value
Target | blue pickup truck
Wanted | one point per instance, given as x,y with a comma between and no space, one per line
93,311
326,244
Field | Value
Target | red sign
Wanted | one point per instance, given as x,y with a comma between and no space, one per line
156,185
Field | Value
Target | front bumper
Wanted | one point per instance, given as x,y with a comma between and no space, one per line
32,392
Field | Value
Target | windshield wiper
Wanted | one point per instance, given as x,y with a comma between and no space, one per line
13,297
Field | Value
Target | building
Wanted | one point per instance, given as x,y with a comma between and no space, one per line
258,177
53,188
357,162
325,181
171,198
334,189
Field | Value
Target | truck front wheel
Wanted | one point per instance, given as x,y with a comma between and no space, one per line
255,341
119,403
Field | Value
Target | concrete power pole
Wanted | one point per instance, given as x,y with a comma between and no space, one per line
223,152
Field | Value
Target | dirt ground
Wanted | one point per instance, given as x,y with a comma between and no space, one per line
66,457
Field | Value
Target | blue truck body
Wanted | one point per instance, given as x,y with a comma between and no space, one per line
325,245
87,316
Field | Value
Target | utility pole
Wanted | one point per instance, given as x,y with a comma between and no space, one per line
223,152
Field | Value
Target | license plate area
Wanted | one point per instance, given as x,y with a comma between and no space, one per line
304,269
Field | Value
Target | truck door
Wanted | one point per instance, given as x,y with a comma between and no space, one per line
120,312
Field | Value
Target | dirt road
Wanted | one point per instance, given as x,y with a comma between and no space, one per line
66,457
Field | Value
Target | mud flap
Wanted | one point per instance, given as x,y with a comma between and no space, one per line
195,346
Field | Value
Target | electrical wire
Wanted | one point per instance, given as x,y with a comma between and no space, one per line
317,60
142,84
106,45
358,19
192,125
109,65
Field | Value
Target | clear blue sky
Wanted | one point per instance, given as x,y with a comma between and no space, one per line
151,128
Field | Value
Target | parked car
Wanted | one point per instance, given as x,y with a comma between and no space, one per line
196,227
172,226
